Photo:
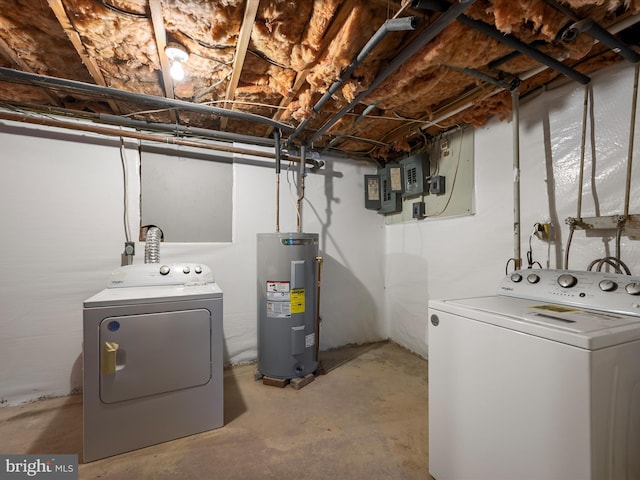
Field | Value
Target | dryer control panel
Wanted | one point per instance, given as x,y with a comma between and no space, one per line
610,292
157,274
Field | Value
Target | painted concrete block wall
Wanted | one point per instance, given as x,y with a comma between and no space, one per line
61,211
466,256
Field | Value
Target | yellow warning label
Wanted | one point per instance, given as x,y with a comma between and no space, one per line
297,300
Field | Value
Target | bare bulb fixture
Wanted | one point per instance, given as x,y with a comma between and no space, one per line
177,55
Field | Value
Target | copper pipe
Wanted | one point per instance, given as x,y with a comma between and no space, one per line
319,261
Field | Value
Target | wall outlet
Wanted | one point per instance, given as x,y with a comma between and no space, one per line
418,210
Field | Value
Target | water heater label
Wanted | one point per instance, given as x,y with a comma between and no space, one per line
277,290
278,309
278,300
297,300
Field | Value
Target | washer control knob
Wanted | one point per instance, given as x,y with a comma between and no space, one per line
607,285
633,288
198,269
186,269
567,280
516,277
533,278
164,269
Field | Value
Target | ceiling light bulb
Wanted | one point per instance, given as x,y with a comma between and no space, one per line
177,71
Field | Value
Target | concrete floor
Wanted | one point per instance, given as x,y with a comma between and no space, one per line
365,419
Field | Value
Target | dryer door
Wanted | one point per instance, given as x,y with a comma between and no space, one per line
149,354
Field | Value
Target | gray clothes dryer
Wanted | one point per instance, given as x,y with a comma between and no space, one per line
152,358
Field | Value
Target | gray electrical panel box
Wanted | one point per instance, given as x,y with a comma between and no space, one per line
391,201
415,173
372,192
395,173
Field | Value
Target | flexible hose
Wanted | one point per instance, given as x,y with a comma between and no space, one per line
152,245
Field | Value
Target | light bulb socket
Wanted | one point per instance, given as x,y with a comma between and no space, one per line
176,52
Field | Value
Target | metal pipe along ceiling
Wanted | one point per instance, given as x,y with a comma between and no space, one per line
522,47
167,140
15,76
420,41
391,25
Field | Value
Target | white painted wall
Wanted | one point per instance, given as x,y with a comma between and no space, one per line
61,209
62,233
466,256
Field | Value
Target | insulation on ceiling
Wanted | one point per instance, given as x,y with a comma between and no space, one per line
297,50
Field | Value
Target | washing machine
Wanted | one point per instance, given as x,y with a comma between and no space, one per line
538,382
152,358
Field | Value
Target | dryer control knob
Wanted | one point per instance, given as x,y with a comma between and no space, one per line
516,277
533,278
164,269
607,285
633,288
186,269
198,269
567,280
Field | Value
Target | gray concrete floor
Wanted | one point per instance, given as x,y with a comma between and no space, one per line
365,419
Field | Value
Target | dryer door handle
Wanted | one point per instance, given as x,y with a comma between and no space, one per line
109,352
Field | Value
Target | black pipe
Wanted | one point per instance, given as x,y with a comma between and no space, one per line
510,56
420,41
594,30
498,82
15,76
522,47
276,137
433,5
391,25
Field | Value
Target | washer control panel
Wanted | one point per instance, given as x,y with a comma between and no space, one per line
158,274
609,292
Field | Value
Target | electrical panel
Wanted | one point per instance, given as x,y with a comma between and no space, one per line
415,173
396,177
372,192
391,201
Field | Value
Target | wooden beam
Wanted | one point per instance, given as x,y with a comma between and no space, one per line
161,42
241,52
74,37
157,18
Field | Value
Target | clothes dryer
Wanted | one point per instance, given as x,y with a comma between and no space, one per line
152,357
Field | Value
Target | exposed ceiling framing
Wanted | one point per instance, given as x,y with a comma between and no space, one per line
275,61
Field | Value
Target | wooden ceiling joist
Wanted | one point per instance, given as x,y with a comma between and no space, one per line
160,33
94,70
244,38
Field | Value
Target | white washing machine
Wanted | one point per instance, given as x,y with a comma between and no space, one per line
152,358
540,382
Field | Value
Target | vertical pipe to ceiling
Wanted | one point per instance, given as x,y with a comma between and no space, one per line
303,157
582,150
515,107
583,141
276,137
632,129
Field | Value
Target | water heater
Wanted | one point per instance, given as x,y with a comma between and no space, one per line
287,304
